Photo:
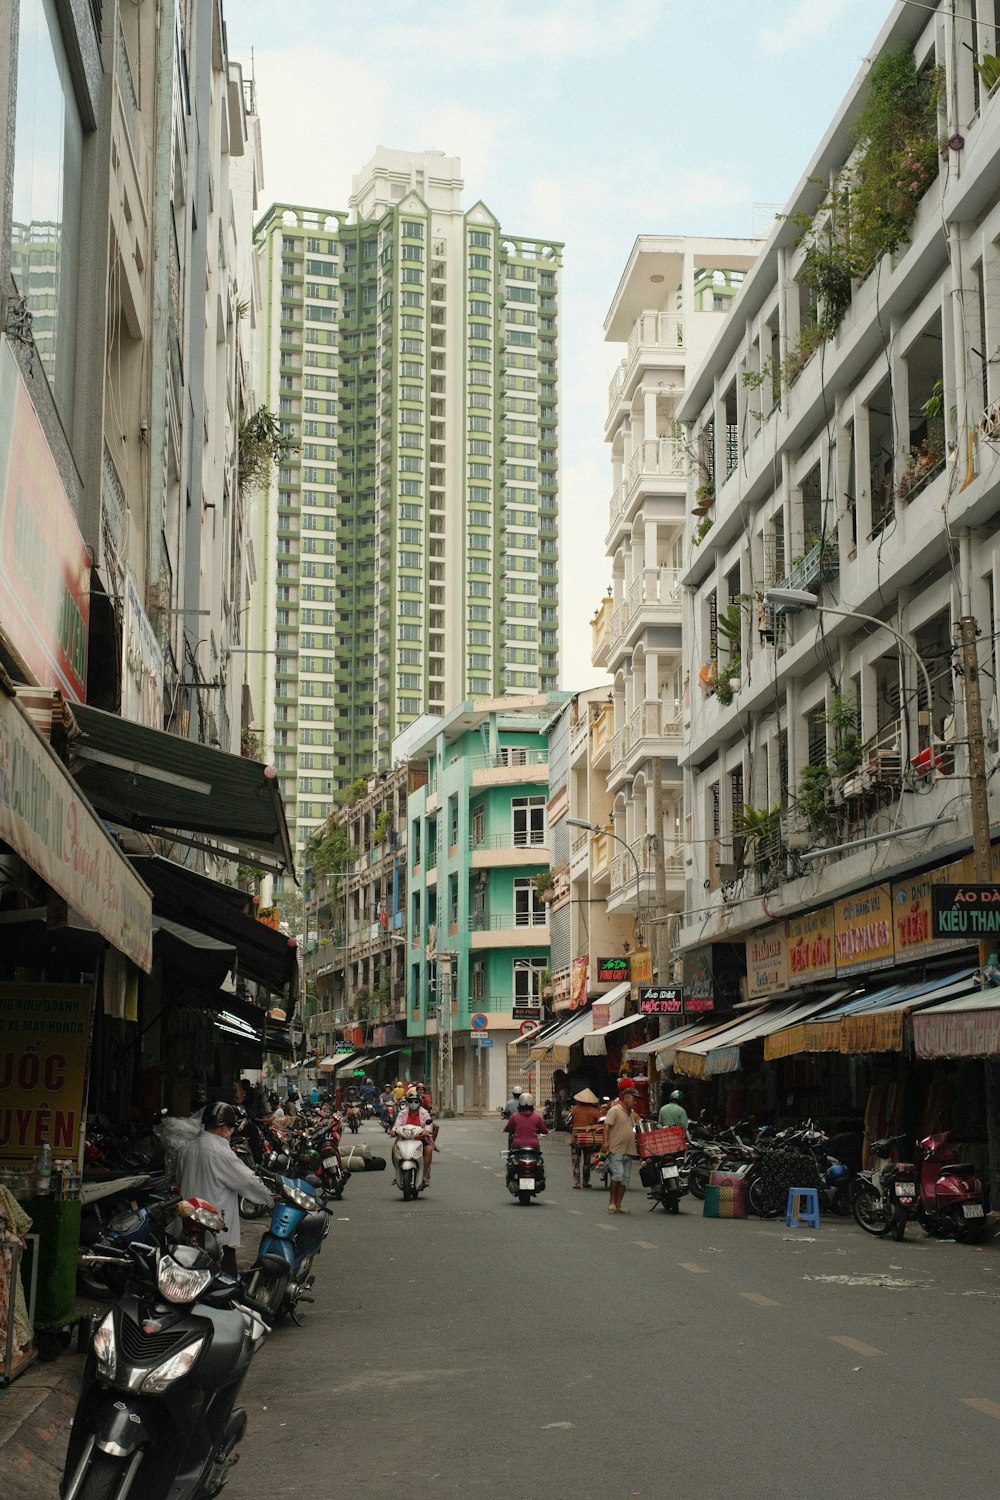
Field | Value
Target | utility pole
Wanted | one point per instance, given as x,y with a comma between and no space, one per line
445,1036
982,851
660,956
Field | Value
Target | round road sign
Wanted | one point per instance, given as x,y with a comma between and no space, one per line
479,1021
527,1027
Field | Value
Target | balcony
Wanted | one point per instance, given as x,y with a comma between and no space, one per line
657,458
522,929
656,339
602,728
623,871
497,850
600,628
821,562
653,599
511,764
651,729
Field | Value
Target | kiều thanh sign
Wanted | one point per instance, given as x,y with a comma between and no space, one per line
966,911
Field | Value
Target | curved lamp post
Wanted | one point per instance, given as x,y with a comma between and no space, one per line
592,828
802,599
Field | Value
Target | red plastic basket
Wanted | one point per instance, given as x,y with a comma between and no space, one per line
669,1140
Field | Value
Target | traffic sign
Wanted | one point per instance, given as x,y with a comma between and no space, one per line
527,1027
479,1021
485,1041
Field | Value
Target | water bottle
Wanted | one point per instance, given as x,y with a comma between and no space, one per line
43,1169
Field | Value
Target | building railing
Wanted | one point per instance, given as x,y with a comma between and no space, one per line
664,457
533,839
126,86
500,921
652,330
623,866
510,757
648,721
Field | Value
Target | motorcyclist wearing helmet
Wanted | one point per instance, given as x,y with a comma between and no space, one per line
673,1112
208,1169
412,1112
525,1124
510,1108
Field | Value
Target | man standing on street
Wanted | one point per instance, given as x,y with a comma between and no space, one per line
208,1169
619,1143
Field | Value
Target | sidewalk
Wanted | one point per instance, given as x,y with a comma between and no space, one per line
35,1417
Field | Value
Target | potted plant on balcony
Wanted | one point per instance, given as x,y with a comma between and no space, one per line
544,888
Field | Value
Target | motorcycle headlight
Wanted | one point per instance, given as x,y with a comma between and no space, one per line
105,1350
160,1376
179,1283
299,1198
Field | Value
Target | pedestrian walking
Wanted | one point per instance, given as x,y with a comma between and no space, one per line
586,1113
619,1143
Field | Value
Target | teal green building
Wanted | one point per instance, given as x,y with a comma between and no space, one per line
477,927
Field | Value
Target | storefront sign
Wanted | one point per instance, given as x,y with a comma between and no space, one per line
525,1013
863,937
659,1001
142,666
767,962
44,1037
699,1005
966,911
810,946
44,565
699,981
578,988
641,966
912,917
53,828
600,1013
612,970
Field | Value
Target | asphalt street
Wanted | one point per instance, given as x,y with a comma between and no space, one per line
465,1345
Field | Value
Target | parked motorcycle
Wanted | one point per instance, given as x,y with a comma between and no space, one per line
946,1198
281,1276
157,1414
408,1161
525,1173
665,1179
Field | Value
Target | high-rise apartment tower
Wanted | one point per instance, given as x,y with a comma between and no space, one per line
409,542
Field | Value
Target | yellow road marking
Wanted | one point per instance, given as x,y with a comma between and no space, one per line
979,1403
644,1244
758,1300
856,1346
687,1265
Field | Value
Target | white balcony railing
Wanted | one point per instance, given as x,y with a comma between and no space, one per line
661,457
648,721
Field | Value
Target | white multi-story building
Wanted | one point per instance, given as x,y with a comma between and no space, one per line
673,295
847,417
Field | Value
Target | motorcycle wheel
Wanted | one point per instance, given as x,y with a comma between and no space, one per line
523,1197
270,1290
897,1228
698,1181
760,1202
672,1203
103,1478
868,1212
409,1192
970,1231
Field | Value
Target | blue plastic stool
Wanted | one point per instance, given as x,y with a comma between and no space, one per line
803,1208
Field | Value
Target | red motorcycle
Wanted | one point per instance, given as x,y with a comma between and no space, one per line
951,1198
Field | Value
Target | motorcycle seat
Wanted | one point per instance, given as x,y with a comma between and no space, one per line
956,1169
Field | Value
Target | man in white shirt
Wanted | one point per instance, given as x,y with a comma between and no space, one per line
209,1169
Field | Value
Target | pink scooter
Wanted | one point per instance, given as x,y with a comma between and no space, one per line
951,1195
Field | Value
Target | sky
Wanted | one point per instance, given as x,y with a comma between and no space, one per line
585,122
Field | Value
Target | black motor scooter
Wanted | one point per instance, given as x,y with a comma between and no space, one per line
157,1415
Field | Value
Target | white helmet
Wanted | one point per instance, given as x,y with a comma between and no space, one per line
517,1091
527,1101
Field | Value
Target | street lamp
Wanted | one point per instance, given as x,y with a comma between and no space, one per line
802,599
591,828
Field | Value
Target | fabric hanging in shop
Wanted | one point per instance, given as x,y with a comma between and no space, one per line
120,986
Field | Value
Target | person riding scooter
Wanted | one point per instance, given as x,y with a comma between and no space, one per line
413,1113
526,1124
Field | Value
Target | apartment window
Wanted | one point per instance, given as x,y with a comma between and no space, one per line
478,825
479,262
453,899
453,821
528,909
479,238
528,980
478,981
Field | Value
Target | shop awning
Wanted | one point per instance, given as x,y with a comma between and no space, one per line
556,1046
46,819
338,1060
162,784
206,959
967,1026
184,896
538,1035
727,1057
690,1059
873,1022
361,1061
594,1044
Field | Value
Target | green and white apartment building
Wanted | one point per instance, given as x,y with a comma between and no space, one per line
478,942
407,546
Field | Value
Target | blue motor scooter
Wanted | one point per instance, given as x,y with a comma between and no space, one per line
281,1276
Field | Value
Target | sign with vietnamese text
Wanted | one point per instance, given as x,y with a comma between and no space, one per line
912,915
525,1012
969,912
142,665
640,966
699,1005
44,565
767,962
44,1037
54,829
809,939
612,970
863,936
656,1000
